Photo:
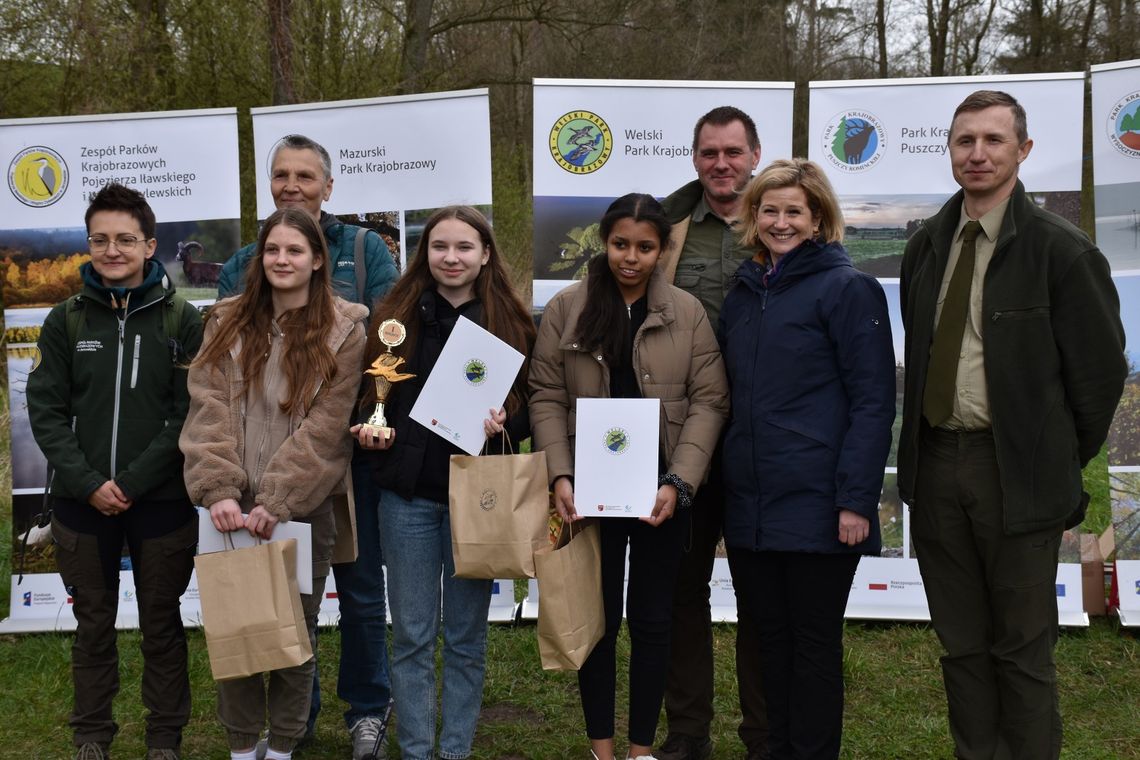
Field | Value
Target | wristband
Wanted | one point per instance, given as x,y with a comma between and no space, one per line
684,495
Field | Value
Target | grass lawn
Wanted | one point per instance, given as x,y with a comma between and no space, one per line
895,706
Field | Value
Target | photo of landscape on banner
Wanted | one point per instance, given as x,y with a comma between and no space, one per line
394,160
596,140
184,163
884,146
1116,161
1124,435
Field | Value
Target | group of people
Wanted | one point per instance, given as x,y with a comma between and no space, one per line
734,303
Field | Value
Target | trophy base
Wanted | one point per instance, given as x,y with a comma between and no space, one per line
377,432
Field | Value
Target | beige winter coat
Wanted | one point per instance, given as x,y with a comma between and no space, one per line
310,465
675,358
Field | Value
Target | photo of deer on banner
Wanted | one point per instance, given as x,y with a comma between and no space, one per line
184,163
883,144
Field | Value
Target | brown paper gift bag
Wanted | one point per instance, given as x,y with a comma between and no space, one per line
571,619
499,511
251,610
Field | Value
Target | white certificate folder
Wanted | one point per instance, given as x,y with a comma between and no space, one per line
616,448
473,374
210,540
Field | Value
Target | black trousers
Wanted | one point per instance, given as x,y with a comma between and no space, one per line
993,602
654,555
797,601
88,550
689,685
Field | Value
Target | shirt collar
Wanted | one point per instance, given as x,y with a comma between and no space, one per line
701,210
990,221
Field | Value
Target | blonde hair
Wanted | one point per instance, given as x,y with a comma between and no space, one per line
806,175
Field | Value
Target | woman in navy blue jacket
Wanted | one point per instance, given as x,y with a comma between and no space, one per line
807,345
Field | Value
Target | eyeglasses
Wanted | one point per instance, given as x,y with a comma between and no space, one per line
124,243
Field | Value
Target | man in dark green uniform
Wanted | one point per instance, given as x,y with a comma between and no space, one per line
107,398
1014,365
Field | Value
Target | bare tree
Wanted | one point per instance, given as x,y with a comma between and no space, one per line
281,50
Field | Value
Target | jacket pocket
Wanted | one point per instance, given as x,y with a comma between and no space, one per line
674,414
64,537
1036,312
801,427
182,539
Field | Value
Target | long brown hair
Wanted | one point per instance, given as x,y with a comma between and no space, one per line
306,356
504,314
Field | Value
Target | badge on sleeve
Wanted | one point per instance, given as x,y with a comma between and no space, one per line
37,357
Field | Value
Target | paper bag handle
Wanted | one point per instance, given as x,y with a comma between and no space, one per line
506,442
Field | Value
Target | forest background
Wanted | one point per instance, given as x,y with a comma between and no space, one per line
66,57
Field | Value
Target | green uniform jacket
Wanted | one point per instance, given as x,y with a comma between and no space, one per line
112,405
1054,355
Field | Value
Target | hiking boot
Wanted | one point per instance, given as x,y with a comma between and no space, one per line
685,747
368,739
163,754
93,751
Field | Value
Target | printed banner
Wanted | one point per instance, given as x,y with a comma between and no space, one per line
596,140
394,160
1116,161
186,164
883,144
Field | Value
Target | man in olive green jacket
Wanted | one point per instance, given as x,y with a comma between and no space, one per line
1014,365
703,255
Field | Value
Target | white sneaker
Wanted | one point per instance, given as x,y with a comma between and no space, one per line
368,739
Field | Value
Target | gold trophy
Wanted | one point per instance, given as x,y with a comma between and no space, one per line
385,373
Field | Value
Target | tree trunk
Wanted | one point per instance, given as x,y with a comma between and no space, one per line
881,30
417,34
938,29
281,51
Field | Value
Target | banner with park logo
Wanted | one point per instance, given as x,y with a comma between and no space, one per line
394,160
596,140
1116,172
1116,162
884,147
186,164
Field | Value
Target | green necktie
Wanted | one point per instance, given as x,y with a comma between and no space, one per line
942,371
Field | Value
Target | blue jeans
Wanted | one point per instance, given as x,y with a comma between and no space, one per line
416,536
363,681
